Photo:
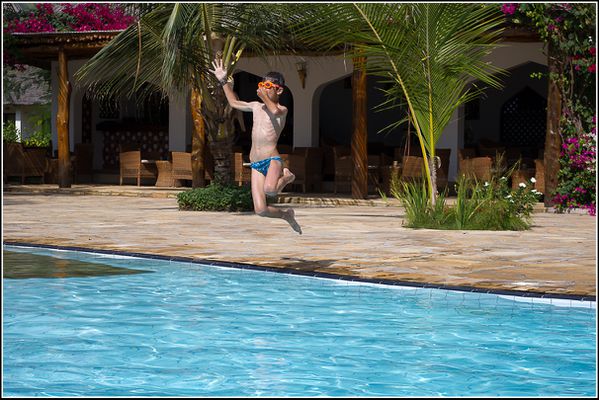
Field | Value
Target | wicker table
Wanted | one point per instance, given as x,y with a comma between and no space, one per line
165,174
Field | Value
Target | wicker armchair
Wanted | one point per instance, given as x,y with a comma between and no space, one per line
241,174
344,166
478,168
181,168
412,168
306,164
132,167
540,175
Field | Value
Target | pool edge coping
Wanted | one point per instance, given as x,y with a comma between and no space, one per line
325,275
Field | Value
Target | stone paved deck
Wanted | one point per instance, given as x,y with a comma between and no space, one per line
557,256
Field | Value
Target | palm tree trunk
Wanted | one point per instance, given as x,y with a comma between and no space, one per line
198,141
220,131
432,161
221,150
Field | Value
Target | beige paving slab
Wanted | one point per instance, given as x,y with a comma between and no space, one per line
556,256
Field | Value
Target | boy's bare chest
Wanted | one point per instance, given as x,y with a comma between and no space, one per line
265,121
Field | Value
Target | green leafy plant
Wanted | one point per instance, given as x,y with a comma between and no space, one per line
10,133
216,197
414,199
42,134
39,138
491,205
470,198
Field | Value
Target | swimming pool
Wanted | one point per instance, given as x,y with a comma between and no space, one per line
142,327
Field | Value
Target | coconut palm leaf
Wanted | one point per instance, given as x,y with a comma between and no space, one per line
171,49
428,50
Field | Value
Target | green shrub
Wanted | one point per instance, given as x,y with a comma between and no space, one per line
10,133
419,212
216,197
489,206
470,199
42,131
40,138
414,198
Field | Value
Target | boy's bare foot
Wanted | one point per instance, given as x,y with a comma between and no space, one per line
290,218
288,177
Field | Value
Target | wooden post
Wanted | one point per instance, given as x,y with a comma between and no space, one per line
359,152
552,138
62,122
198,141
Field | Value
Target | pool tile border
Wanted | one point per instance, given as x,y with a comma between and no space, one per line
227,264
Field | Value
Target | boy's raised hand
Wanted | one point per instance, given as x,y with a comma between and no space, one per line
219,71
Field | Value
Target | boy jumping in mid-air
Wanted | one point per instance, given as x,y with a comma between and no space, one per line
268,175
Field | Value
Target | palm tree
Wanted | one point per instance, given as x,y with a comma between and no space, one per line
428,52
171,49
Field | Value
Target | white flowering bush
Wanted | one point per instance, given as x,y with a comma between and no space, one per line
519,202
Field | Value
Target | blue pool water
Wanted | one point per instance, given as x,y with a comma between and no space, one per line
184,329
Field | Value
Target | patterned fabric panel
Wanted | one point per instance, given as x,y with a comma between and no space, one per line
149,141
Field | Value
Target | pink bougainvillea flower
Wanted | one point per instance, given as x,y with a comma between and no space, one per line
592,51
509,8
592,68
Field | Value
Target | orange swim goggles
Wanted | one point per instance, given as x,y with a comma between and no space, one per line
268,85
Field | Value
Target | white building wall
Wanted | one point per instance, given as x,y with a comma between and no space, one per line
511,54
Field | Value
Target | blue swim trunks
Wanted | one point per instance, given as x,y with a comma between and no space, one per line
262,165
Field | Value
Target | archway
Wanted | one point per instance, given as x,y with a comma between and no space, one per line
490,117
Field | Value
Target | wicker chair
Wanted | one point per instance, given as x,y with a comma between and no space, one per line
540,175
241,174
344,166
306,164
521,176
132,167
411,168
181,168
478,168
